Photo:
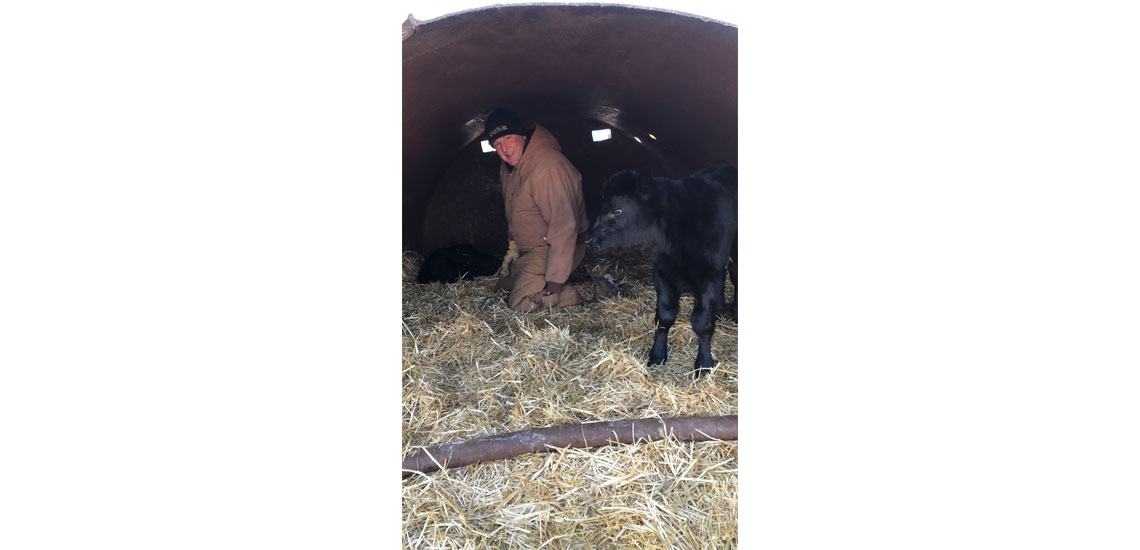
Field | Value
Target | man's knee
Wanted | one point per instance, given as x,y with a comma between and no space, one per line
506,283
525,304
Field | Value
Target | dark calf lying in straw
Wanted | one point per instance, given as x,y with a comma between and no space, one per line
455,262
689,227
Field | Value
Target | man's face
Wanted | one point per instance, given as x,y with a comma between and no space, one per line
510,148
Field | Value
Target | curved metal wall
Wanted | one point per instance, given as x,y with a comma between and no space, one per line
572,68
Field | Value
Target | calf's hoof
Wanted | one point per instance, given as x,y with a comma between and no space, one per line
657,359
702,366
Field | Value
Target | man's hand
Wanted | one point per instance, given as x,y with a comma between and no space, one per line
551,288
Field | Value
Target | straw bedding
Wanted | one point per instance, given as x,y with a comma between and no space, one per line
474,368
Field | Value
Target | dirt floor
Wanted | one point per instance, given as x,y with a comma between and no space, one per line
473,368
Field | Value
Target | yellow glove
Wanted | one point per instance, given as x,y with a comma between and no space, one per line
512,255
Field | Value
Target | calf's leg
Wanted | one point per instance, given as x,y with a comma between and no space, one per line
668,303
704,322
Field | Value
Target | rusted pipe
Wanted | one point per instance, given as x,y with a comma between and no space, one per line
593,434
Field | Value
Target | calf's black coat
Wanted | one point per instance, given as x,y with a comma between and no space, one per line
689,227
457,261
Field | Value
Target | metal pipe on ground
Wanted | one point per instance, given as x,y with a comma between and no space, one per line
592,434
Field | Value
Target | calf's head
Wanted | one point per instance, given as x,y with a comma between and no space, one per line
627,217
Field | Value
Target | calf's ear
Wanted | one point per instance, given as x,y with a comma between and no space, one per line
644,183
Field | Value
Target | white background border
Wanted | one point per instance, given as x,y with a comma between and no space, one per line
200,306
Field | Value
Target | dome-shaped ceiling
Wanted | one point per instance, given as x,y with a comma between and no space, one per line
571,68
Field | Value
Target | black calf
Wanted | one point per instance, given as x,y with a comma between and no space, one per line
457,261
689,227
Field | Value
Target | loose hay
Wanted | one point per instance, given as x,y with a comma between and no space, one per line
474,368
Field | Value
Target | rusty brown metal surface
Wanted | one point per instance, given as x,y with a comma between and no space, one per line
636,70
573,436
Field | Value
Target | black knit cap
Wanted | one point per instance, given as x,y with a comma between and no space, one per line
502,122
